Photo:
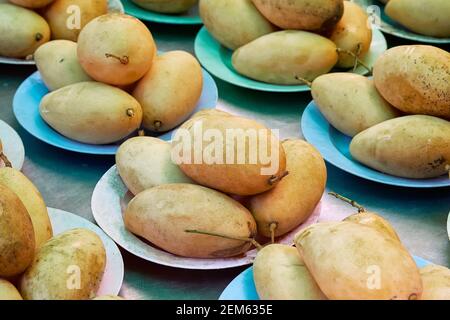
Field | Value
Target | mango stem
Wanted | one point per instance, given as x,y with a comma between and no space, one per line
307,82
358,52
157,124
353,203
273,226
253,241
130,112
122,60
5,159
360,62
274,179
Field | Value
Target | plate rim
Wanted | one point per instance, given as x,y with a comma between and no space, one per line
203,57
233,261
115,249
156,17
85,148
246,273
306,127
21,146
448,226
23,62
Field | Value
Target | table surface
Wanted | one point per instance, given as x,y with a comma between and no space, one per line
67,179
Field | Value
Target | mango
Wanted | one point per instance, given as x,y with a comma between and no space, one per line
22,31
282,56
170,91
91,112
164,214
234,23
412,147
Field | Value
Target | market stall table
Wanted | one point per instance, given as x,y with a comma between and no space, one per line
67,179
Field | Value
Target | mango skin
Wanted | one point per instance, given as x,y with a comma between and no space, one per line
376,221
352,33
163,214
429,18
396,75
415,147
282,56
353,105
116,49
174,71
234,23
232,177
313,15
280,274
58,64
32,199
8,291
351,261
52,269
145,162
166,6
57,16
17,243
22,31
31,4
436,282
294,198
108,114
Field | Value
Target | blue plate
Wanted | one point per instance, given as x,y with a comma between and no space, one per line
191,17
334,147
243,286
32,90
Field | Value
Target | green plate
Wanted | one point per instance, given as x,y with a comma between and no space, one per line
190,17
389,26
217,60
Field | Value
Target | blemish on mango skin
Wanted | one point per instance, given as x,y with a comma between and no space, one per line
437,163
415,79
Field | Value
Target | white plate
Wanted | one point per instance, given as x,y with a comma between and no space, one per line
114,271
12,145
113,6
448,226
111,196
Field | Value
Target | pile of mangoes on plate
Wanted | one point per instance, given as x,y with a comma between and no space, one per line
211,207
34,263
109,112
317,36
98,70
360,258
429,18
398,119
169,7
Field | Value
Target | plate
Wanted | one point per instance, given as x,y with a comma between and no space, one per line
110,198
334,147
217,59
113,6
26,109
448,226
114,270
389,26
190,17
12,145
243,286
